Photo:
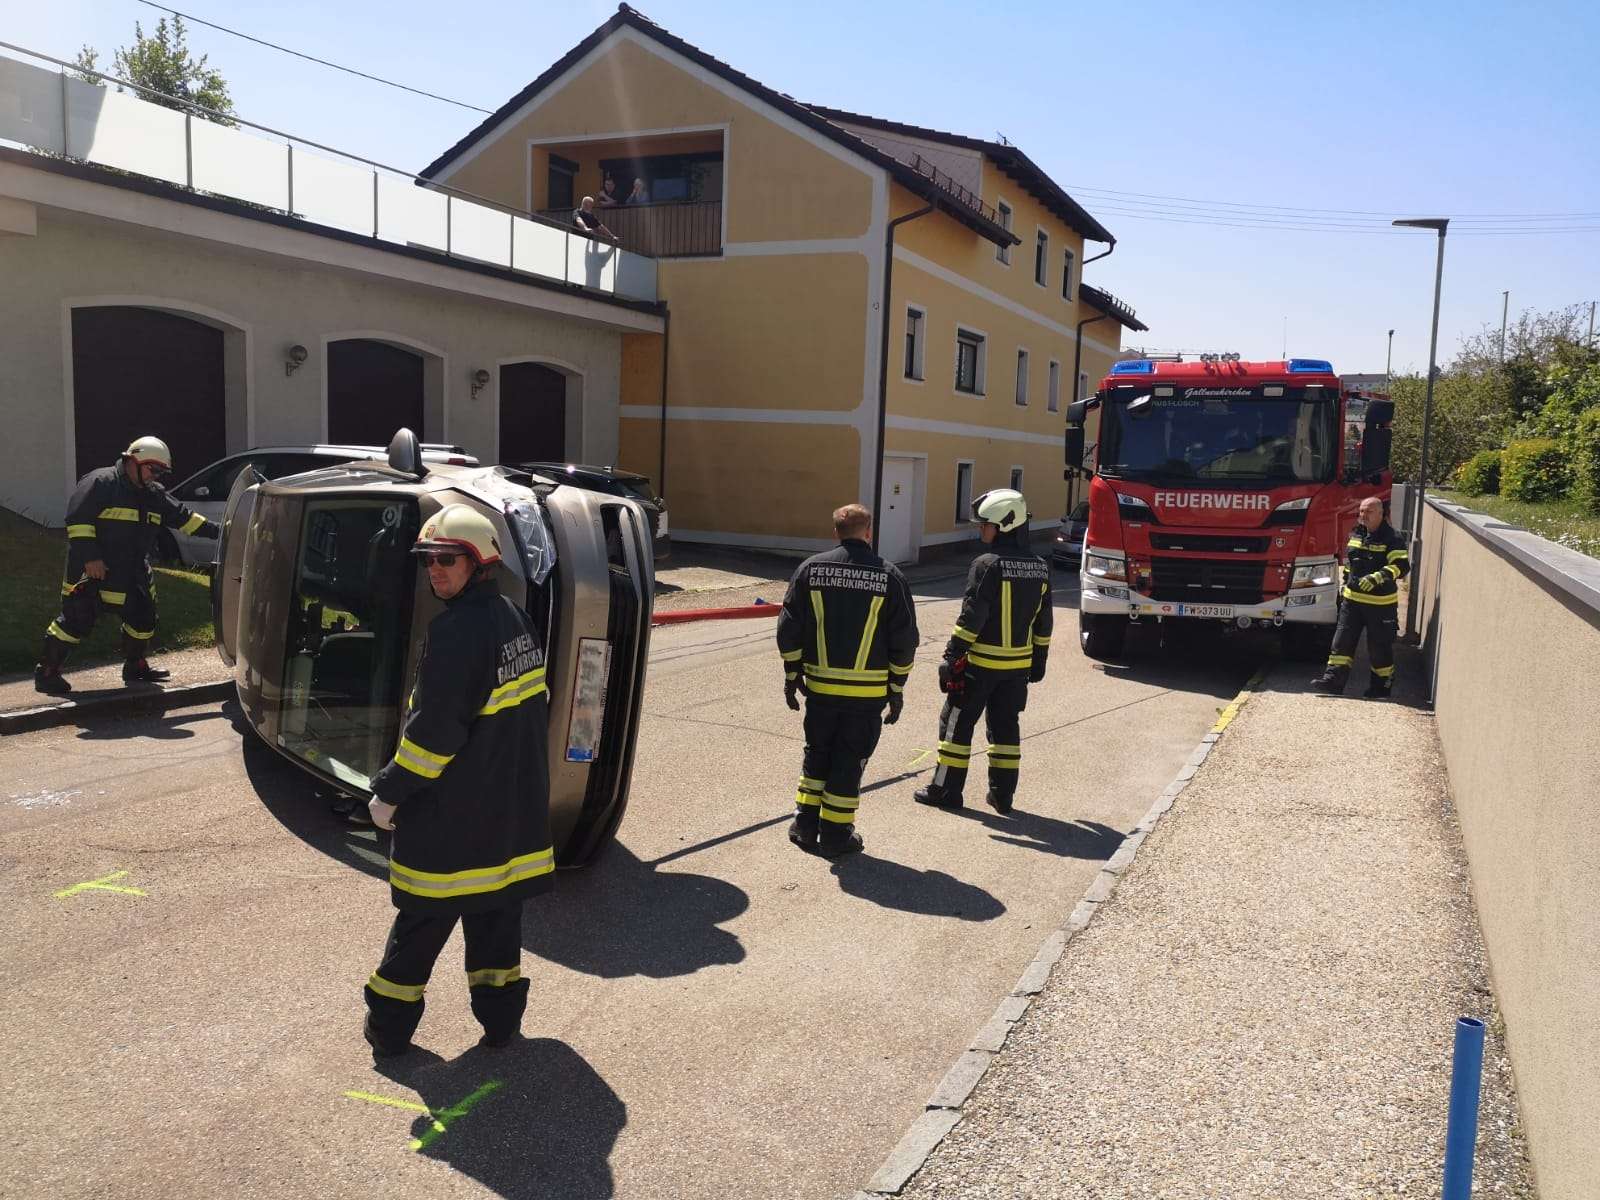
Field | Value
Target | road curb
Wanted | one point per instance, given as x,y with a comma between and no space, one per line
46,716
943,1110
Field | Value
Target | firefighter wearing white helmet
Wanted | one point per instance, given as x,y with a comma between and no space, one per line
1000,644
114,517
467,793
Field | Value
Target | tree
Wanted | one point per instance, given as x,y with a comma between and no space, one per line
162,63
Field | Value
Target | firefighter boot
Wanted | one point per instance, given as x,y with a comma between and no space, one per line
1378,687
803,829
47,676
835,841
135,667
936,797
1332,680
1000,803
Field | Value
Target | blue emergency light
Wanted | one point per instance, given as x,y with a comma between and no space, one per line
1310,366
1134,366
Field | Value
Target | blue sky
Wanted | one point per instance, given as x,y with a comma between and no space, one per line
1421,109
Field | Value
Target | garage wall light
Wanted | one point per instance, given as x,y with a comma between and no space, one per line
480,380
293,357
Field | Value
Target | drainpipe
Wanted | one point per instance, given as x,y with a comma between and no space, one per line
666,337
883,361
1098,257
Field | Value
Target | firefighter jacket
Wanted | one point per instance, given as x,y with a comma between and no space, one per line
471,777
116,522
1006,615
848,623
1380,552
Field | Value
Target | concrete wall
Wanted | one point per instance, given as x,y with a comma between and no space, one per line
1511,625
266,304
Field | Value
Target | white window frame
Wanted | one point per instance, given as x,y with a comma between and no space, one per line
1016,477
1041,257
1024,360
964,509
981,367
1004,214
1069,287
1053,396
919,356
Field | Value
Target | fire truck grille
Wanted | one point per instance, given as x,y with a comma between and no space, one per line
1206,581
1210,543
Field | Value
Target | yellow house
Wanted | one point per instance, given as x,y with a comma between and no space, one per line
856,307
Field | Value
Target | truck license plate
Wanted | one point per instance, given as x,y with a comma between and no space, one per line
1205,610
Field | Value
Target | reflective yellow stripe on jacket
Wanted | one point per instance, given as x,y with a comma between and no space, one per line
80,531
193,523
508,695
420,761
436,886
119,514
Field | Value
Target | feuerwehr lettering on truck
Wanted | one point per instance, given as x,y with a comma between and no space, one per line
1219,500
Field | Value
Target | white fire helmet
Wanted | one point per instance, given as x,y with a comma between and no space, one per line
459,527
1003,507
149,452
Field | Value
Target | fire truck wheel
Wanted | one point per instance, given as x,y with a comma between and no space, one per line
1101,636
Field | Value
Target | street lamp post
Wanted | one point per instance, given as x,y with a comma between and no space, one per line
1438,225
1388,364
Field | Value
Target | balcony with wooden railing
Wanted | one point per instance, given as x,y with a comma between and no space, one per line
672,229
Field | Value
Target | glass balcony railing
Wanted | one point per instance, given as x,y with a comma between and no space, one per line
55,113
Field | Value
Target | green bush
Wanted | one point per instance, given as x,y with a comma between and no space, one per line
1480,474
1586,461
1534,470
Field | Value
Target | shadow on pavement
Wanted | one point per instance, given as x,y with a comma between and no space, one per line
1183,657
1088,840
617,918
161,728
547,1130
907,889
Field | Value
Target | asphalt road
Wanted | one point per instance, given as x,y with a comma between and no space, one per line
713,1012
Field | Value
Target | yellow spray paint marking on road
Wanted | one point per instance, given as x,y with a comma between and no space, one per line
103,884
440,1120
921,754
1238,702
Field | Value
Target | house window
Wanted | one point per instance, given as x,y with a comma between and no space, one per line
1083,385
963,492
1066,275
1016,479
559,183
1041,258
969,362
915,320
1053,400
1003,253
1022,376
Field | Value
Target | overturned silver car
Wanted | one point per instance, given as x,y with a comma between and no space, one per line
321,610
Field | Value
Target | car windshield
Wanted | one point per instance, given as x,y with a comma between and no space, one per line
347,635
1234,438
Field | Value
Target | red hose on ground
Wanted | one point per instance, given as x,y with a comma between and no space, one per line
715,614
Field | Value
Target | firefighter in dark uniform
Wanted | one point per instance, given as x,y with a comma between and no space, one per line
1375,563
467,794
113,521
1001,644
848,635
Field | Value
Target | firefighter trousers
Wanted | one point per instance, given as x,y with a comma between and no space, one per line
498,991
999,697
1381,622
82,603
840,738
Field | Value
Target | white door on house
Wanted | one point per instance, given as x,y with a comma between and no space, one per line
896,525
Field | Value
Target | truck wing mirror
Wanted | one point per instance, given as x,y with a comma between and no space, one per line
1077,412
1074,448
1377,438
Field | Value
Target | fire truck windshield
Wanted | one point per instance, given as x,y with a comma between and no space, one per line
1242,437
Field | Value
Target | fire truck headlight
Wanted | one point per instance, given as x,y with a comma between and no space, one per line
1104,567
1315,574
1294,505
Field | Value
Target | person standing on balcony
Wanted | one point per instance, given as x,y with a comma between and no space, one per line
1375,562
638,195
847,635
608,193
586,219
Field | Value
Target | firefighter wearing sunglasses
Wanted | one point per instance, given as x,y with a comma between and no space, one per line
467,793
113,521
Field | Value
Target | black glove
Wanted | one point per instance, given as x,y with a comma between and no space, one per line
952,676
1036,672
793,689
897,701
210,530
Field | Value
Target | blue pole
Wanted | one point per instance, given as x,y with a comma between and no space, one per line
1461,1138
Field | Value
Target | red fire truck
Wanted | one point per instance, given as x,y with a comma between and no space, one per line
1222,491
